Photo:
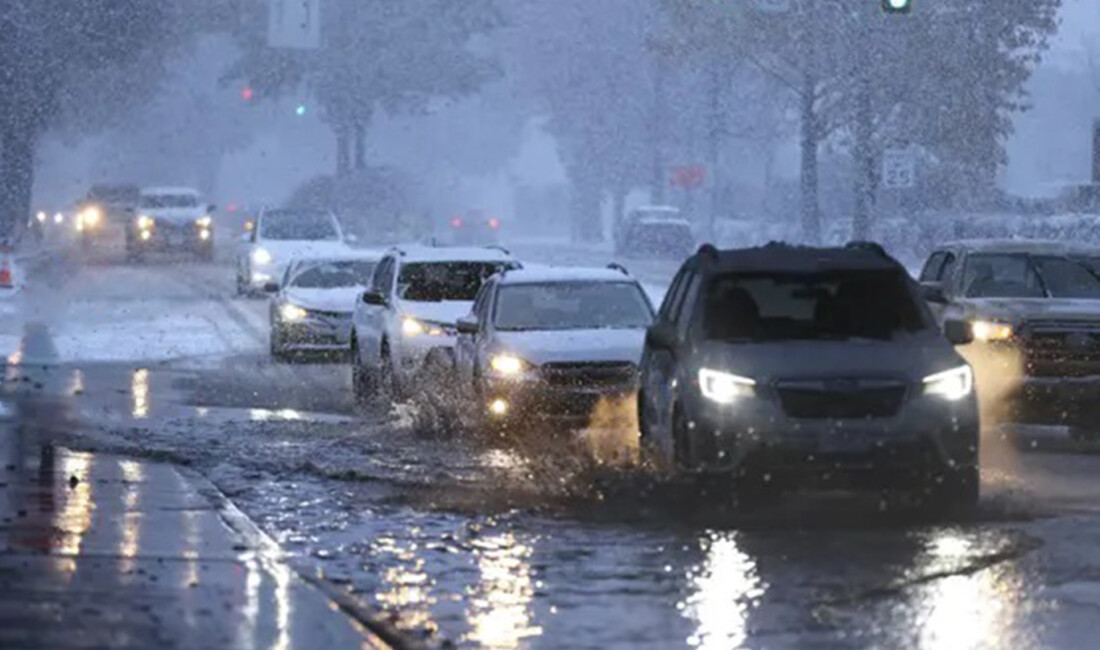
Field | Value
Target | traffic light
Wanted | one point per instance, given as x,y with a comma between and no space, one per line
247,93
301,110
897,6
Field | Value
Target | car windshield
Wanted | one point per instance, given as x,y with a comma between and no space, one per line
572,306
839,305
169,201
333,275
444,281
114,194
298,225
1028,276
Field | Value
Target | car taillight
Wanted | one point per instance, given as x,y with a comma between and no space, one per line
456,222
494,223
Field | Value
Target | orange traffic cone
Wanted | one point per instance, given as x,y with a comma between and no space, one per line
6,280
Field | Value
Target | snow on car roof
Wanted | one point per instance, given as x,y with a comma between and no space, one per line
159,191
353,255
787,258
663,221
657,208
548,274
419,253
1035,246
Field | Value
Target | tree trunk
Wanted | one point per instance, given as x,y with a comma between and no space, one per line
618,205
657,182
811,215
714,142
587,223
343,149
864,166
16,180
360,145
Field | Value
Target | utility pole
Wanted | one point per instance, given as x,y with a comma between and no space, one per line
811,214
863,159
660,79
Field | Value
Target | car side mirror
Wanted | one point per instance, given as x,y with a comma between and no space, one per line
373,298
662,336
271,287
958,332
933,292
351,239
467,325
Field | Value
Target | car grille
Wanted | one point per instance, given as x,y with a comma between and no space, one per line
841,399
333,315
588,375
1061,348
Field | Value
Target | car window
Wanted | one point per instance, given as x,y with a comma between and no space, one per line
933,267
383,277
572,306
481,302
676,307
672,295
838,305
947,271
332,275
1001,276
687,309
287,225
1065,278
169,201
444,281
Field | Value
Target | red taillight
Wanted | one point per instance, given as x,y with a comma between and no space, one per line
232,207
456,222
494,223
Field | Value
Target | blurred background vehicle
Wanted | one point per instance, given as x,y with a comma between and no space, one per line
277,236
654,230
104,212
171,219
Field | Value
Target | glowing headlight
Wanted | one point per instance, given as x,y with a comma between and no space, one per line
723,387
261,256
952,384
291,312
204,222
145,222
58,218
507,365
985,330
91,217
412,327
41,216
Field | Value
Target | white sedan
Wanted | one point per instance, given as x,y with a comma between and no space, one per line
277,237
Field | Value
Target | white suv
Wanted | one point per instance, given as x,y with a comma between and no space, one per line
408,315
281,235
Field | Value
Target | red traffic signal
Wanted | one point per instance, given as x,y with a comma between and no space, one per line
247,94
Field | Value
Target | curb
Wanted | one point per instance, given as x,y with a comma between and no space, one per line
385,633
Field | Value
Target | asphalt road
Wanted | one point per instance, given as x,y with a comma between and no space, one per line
530,542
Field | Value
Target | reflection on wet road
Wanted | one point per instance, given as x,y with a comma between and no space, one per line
531,543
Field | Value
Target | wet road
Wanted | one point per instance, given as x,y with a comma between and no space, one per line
489,543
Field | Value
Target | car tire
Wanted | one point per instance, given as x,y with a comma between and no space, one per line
364,385
682,454
389,380
953,489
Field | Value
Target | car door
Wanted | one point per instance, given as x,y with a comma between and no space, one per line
466,344
658,365
370,319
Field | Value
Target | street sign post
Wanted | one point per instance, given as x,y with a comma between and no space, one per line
899,169
294,24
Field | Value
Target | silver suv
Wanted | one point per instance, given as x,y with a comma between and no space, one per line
792,366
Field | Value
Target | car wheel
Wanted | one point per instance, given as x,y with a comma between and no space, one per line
682,453
364,385
390,382
953,489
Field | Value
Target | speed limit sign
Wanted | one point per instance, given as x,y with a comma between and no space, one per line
899,169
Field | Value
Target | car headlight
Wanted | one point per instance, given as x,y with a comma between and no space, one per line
261,256
204,222
986,330
292,313
41,216
508,365
412,327
724,388
954,384
90,217
144,222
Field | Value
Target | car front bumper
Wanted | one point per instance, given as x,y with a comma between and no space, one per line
313,334
757,433
173,237
538,400
1068,401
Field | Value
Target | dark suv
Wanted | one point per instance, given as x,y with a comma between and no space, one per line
791,365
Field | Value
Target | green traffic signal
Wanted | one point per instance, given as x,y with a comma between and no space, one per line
897,6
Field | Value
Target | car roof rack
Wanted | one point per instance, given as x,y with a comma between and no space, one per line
615,266
499,248
869,246
709,252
